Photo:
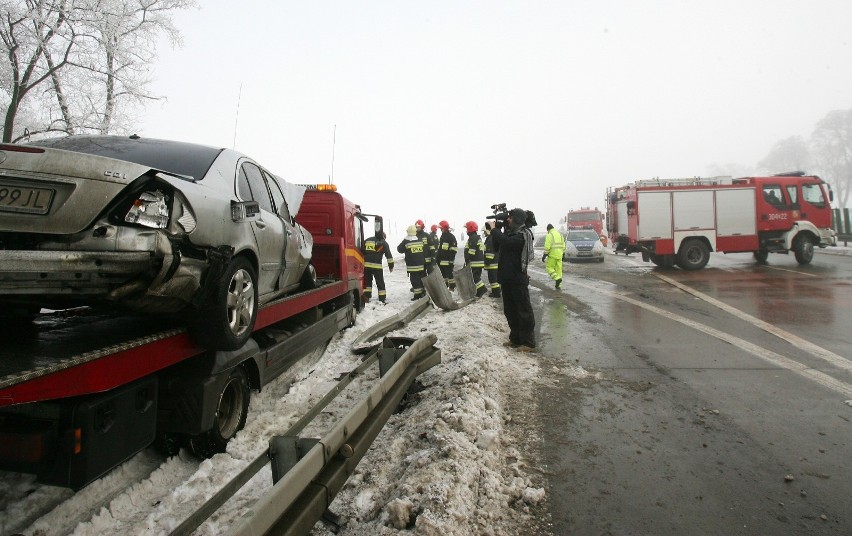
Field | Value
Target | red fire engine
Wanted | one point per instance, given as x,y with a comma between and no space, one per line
680,221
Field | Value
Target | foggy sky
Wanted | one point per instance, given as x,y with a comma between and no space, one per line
442,108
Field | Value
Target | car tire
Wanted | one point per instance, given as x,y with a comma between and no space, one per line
227,320
693,254
231,412
803,249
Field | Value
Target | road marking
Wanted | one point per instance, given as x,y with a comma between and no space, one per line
795,340
791,271
767,355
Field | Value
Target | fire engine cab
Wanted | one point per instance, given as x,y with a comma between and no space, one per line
680,221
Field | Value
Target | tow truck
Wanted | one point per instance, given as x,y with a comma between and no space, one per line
83,390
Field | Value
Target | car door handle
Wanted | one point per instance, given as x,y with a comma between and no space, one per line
261,224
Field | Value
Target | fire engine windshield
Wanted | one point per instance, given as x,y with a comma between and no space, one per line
812,193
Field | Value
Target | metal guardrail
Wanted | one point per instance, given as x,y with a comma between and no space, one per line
308,481
841,222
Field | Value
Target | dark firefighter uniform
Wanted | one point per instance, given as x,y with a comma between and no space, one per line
448,246
415,259
429,251
474,256
434,241
491,262
374,249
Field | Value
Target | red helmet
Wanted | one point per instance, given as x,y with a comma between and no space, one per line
444,225
471,227
420,224
434,227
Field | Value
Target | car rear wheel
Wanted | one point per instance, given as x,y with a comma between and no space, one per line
803,249
693,254
231,413
227,321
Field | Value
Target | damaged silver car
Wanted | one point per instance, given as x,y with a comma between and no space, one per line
152,225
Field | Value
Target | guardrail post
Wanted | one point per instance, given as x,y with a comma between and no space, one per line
286,451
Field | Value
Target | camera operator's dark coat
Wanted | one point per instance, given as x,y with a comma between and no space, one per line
513,242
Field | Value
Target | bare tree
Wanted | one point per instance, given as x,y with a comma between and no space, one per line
789,154
832,149
32,31
88,59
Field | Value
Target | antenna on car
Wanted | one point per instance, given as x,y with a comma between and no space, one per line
237,116
333,143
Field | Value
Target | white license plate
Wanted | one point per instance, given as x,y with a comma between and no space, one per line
25,199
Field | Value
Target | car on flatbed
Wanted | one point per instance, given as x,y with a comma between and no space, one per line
203,233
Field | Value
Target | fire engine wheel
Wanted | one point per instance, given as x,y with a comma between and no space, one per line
231,412
693,254
227,320
803,249
761,256
663,261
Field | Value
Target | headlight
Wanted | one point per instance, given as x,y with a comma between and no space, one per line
598,248
149,209
570,248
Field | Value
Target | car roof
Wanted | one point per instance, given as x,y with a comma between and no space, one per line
177,157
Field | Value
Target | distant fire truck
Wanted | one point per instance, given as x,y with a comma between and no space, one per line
680,221
585,218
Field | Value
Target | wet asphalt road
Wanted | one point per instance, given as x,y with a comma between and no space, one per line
715,401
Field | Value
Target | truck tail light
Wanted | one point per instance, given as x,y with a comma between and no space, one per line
78,440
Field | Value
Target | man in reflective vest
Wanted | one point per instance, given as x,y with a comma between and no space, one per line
554,248
374,249
415,260
474,256
448,246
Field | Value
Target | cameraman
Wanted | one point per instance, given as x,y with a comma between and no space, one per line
513,240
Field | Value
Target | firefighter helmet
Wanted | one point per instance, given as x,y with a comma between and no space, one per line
471,227
420,224
444,225
434,227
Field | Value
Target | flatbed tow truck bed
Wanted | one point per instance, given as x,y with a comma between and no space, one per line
97,351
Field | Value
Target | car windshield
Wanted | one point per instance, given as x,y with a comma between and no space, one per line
175,157
582,235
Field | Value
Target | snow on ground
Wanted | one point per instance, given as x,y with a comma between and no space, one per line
449,463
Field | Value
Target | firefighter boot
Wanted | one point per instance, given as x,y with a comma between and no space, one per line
559,283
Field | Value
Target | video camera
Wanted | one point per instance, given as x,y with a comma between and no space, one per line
499,215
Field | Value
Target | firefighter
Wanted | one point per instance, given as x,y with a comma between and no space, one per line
428,252
554,248
474,256
374,249
448,246
415,259
433,245
491,261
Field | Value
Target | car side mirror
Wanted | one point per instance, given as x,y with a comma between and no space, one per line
245,211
